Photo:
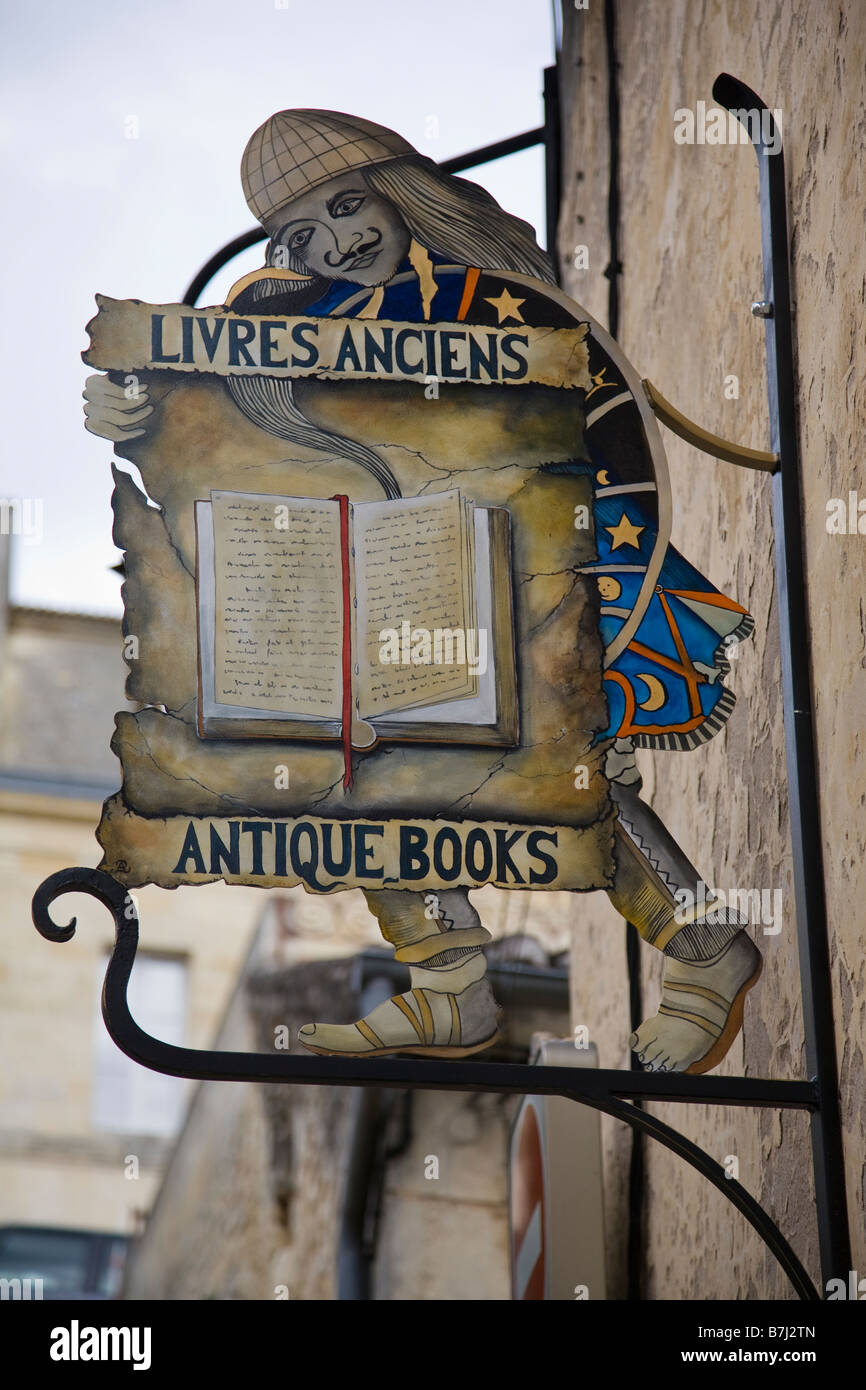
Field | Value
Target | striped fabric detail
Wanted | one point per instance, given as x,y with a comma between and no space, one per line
689,1001
652,911
593,416
698,1020
418,952
695,737
712,723
703,940
426,1013
449,957
407,1011
456,1032
368,1034
620,489
718,999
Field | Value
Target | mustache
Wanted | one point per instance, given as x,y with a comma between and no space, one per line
336,263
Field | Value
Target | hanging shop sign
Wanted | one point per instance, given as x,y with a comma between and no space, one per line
399,599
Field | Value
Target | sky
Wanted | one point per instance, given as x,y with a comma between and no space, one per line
120,140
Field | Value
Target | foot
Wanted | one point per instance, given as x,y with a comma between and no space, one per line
423,1021
701,1011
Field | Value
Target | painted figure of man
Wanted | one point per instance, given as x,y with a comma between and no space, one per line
361,225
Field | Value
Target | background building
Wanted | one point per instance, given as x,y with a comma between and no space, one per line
73,1109
85,1133
253,1197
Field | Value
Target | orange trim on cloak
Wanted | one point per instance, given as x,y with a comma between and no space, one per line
469,287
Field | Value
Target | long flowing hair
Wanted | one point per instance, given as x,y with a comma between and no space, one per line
451,218
458,219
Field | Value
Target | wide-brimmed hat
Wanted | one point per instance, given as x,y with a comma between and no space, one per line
296,150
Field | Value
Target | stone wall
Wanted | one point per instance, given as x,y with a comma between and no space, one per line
251,1204
691,267
61,681
248,1206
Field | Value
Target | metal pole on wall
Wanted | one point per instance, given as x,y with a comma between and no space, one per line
806,843
552,164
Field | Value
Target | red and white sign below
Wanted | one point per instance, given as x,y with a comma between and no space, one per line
556,1191
527,1207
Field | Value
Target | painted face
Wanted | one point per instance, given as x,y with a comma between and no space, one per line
344,231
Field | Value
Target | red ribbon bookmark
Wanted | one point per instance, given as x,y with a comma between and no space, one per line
347,639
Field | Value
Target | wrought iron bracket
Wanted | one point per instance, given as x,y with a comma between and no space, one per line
797,701
702,439
604,1090
616,1093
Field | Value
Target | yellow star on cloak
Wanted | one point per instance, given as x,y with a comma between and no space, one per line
624,533
507,307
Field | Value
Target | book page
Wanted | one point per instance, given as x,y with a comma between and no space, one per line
414,574
482,708
279,607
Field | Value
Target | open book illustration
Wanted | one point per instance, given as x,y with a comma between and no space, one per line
324,619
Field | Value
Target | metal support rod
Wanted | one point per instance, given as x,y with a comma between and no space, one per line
809,890
603,1090
759,459
637,1157
367,1104
487,153
551,137
218,260
465,1074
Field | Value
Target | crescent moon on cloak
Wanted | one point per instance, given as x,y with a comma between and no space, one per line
657,694
601,478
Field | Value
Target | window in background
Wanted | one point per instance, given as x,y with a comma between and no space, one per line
128,1098
47,1263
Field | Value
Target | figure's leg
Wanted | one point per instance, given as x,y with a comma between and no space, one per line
711,961
449,1009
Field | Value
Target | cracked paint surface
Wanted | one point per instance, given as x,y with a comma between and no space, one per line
492,443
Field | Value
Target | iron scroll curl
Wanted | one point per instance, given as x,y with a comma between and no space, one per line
602,1089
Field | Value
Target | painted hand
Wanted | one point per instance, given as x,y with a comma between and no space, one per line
111,412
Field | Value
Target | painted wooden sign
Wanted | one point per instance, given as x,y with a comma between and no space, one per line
399,599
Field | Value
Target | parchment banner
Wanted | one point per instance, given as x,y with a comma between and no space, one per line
327,855
130,336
